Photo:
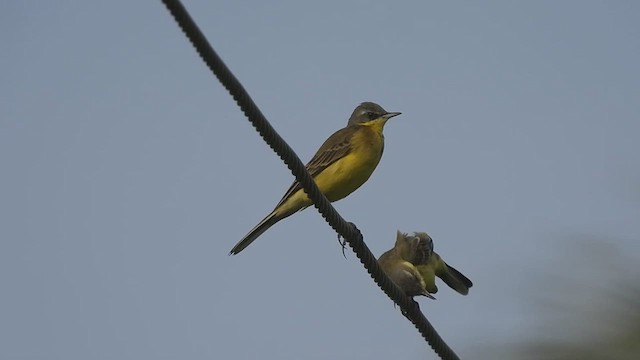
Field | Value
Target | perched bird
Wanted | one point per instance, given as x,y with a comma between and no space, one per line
432,265
397,264
343,163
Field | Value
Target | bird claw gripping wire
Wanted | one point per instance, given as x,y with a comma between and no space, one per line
404,312
343,242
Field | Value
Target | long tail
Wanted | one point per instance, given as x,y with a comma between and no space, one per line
262,226
456,280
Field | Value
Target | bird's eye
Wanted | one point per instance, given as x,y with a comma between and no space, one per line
372,115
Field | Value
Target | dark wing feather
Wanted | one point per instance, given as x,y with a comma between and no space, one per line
455,280
458,275
335,147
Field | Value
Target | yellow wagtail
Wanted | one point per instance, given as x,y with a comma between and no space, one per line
430,265
397,263
343,163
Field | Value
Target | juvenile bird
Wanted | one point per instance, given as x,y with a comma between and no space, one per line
397,264
343,163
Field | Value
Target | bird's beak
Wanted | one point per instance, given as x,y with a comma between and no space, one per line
389,115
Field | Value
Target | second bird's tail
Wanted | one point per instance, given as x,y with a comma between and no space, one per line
456,280
262,226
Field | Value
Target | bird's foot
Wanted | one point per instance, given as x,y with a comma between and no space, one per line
343,242
415,302
343,245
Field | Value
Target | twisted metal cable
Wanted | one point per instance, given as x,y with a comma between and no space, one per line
348,231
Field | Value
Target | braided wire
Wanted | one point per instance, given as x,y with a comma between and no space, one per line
347,230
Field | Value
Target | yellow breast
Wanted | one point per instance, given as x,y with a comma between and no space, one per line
346,175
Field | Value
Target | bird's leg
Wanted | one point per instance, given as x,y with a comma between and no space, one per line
343,244
415,302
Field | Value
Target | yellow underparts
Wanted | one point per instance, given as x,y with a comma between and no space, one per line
346,175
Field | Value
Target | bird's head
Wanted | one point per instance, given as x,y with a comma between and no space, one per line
424,247
369,112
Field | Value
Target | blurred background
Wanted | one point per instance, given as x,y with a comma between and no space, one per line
128,173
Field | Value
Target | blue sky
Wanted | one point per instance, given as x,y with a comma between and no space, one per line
129,173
